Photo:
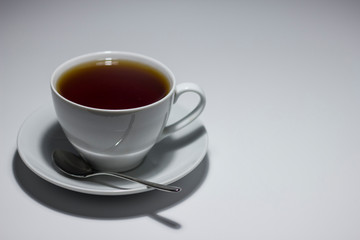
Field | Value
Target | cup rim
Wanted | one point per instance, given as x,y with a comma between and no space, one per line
120,55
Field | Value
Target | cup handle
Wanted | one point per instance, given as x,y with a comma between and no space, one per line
179,90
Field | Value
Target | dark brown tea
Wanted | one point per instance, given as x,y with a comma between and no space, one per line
113,84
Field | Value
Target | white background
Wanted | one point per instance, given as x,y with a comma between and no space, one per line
282,80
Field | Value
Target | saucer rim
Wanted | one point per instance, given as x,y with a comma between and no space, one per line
93,191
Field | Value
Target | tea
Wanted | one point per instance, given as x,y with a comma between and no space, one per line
113,84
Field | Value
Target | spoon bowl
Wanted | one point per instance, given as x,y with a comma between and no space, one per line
75,166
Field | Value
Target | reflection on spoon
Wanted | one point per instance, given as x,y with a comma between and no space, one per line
75,166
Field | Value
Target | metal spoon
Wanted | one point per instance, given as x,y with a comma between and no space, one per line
75,166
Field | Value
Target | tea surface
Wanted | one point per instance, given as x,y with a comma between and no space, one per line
113,84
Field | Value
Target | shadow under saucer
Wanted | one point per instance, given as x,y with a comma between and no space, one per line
108,207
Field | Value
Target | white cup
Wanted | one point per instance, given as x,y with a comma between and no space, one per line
118,140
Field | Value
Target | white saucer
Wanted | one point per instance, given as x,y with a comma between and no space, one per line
168,161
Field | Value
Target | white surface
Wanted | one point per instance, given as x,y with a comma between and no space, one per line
170,160
283,86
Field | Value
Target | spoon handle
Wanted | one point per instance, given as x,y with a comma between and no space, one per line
162,187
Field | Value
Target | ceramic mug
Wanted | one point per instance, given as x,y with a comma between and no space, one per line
118,140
